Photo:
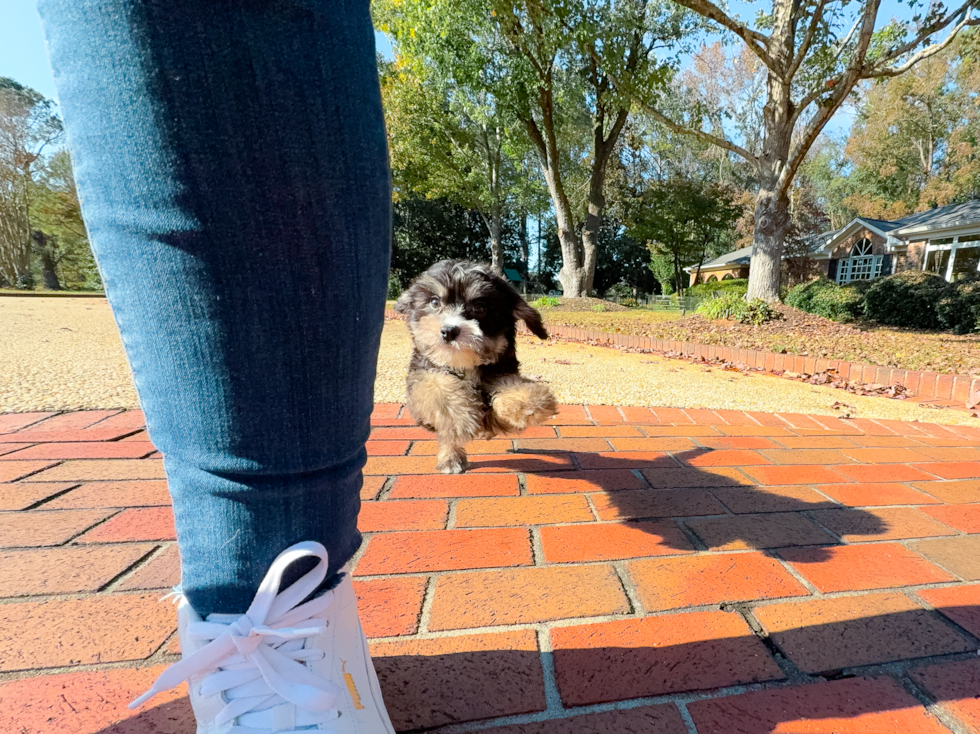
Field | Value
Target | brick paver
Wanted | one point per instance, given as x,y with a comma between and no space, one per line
613,555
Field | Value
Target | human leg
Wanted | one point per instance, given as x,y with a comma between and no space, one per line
231,163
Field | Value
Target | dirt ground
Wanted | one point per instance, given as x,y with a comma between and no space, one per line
65,354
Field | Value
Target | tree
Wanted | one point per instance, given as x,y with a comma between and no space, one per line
27,127
682,222
813,53
429,230
914,142
451,143
60,242
548,64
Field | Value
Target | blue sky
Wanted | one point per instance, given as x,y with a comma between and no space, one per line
23,57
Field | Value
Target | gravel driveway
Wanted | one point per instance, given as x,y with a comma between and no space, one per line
65,354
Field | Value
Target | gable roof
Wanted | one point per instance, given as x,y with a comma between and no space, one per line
741,257
945,217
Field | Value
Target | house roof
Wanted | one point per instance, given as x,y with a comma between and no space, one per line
945,217
954,216
743,256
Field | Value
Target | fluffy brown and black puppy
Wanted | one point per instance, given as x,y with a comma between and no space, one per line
463,380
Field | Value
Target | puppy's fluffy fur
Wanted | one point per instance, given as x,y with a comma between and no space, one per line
463,380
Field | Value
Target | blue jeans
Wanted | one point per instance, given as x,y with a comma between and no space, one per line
232,167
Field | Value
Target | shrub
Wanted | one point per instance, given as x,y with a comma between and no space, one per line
825,298
735,307
959,309
620,290
907,299
547,302
629,303
740,286
599,308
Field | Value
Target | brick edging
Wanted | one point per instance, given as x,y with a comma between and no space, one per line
916,383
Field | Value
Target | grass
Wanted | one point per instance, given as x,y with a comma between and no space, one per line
634,321
41,292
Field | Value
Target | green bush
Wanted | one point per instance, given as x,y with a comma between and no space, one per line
547,302
734,307
907,299
825,298
629,303
740,286
959,309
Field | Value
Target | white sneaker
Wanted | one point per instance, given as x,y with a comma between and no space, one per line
280,667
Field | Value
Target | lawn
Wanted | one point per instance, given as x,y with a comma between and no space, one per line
798,333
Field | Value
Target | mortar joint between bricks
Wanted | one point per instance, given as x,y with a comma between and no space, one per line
686,717
552,697
386,486
451,514
808,514
592,508
522,484
814,591
537,550
693,538
639,475
632,595
133,567
792,673
945,718
955,626
428,597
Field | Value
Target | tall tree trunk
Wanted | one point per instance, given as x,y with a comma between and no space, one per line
495,225
525,246
772,222
49,265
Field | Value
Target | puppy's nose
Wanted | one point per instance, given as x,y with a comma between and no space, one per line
449,333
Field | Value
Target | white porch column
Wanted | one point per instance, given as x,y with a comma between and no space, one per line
952,257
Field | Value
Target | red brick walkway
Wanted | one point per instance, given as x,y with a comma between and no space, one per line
669,571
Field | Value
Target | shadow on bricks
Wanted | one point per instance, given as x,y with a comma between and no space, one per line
435,685
700,499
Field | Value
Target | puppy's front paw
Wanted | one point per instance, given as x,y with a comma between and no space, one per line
451,461
525,404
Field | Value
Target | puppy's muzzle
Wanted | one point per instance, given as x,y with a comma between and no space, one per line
449,333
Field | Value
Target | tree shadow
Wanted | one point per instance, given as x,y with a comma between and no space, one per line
715,507
423,691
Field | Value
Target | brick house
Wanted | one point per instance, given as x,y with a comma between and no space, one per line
945,241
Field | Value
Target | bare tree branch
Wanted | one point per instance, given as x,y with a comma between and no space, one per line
757,42
927,51
928,31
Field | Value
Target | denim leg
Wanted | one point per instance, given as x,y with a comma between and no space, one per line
231,162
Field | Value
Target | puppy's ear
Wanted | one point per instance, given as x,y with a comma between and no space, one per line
404,302
530,317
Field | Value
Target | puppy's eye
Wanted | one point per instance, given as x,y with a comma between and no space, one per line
478,309
435,302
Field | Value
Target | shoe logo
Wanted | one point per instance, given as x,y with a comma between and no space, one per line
351,688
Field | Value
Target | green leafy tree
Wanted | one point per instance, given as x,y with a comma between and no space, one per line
448,143
546,65
60,242
812,54
682,222
28,126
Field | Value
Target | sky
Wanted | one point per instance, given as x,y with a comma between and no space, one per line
23,57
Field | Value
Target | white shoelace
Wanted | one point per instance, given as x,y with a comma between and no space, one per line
259,657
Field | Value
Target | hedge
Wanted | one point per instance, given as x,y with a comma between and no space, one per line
825,298
737,285
909,299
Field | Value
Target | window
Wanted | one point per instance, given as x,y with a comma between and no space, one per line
937,261
863,264
712,278
728,276
967,261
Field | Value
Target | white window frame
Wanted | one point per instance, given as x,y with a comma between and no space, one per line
972,240
861,263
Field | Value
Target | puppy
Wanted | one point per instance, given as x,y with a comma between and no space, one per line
463,380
